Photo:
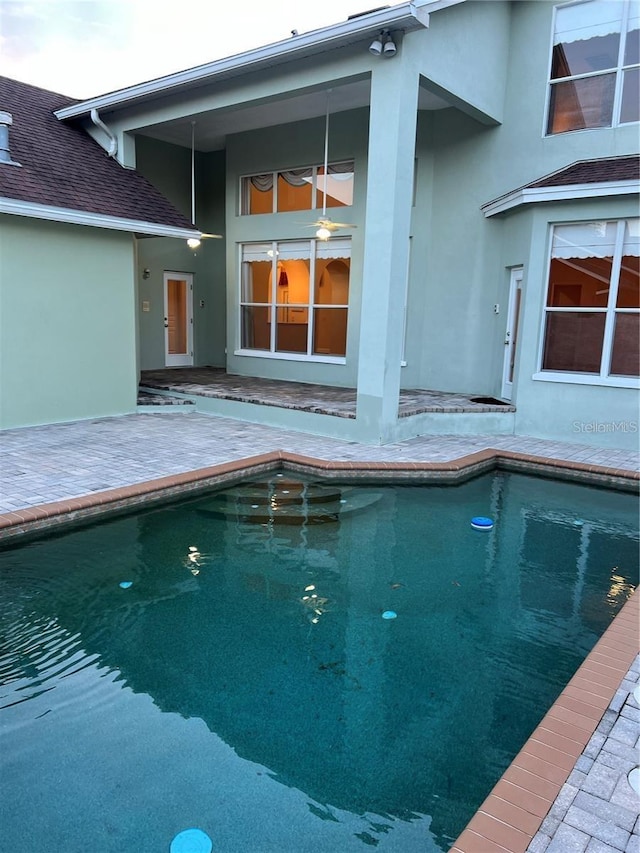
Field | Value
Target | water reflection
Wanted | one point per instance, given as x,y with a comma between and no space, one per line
272,633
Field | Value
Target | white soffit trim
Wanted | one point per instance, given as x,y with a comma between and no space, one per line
410,15
16,207
567,192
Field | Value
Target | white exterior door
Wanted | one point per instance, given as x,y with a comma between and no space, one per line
178,319
511,334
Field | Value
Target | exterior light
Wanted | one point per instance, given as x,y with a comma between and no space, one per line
389,48
375,48
193,242
323,233
383,45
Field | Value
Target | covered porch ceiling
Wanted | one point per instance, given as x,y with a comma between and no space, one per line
212,128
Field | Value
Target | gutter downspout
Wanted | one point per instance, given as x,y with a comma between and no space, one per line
113,140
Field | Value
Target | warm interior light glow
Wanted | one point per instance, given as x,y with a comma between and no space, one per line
193,242
323,233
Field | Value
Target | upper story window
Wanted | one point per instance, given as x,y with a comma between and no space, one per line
592,316
298,189
594,65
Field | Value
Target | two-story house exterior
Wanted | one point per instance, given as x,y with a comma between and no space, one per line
481,159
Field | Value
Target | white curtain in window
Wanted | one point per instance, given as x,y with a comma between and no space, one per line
631,245
294,250
297,177
588,20
592,240
257,252
338,247
263,183
634,17
340,168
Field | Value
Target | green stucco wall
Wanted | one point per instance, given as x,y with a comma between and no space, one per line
67,331
168,167
490,61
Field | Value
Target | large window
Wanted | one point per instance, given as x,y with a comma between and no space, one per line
298,189
594,65
592,315
294,298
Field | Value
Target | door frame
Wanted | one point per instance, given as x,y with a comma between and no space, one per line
178,359
511,333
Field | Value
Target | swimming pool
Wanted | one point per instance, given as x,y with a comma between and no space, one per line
246,682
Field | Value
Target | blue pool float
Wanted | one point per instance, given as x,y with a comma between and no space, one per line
126,584
481,523
389,614
191,841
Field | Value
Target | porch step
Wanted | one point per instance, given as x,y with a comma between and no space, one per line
288,501
149,401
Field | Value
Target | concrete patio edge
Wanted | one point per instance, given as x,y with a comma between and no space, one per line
38,518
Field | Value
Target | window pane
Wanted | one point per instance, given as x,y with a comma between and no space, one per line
625,358
579,282
587,36
291,331
257,194
332,281
578,104
256,281
582,57
293,282
256,328
330,331
294,190
629,287
632,45
338,185
630,108
573,342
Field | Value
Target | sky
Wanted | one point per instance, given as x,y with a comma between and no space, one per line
83,48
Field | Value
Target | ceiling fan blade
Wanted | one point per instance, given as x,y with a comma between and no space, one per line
214,236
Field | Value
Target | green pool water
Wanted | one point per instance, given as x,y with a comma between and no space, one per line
245,683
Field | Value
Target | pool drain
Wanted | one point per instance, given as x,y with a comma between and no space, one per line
191,841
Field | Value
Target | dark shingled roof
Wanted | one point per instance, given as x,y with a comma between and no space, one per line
607,169
62,166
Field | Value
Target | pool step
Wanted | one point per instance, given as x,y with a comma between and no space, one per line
288,501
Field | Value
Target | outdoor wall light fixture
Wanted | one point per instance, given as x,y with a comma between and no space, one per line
383,45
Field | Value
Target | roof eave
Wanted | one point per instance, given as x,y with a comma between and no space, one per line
17,207
566,192
411,15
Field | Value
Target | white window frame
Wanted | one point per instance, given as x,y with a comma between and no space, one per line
618,71
607,343
276,172
272,353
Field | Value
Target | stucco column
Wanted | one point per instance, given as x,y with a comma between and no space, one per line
392,136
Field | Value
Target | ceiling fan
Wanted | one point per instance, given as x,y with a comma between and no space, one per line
194,242
324,224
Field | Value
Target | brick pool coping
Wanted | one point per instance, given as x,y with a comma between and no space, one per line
34,519
511,815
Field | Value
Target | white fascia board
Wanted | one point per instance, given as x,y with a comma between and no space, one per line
567,192
415,14
16,207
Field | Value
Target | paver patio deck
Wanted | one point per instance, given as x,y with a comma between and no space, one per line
542,804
